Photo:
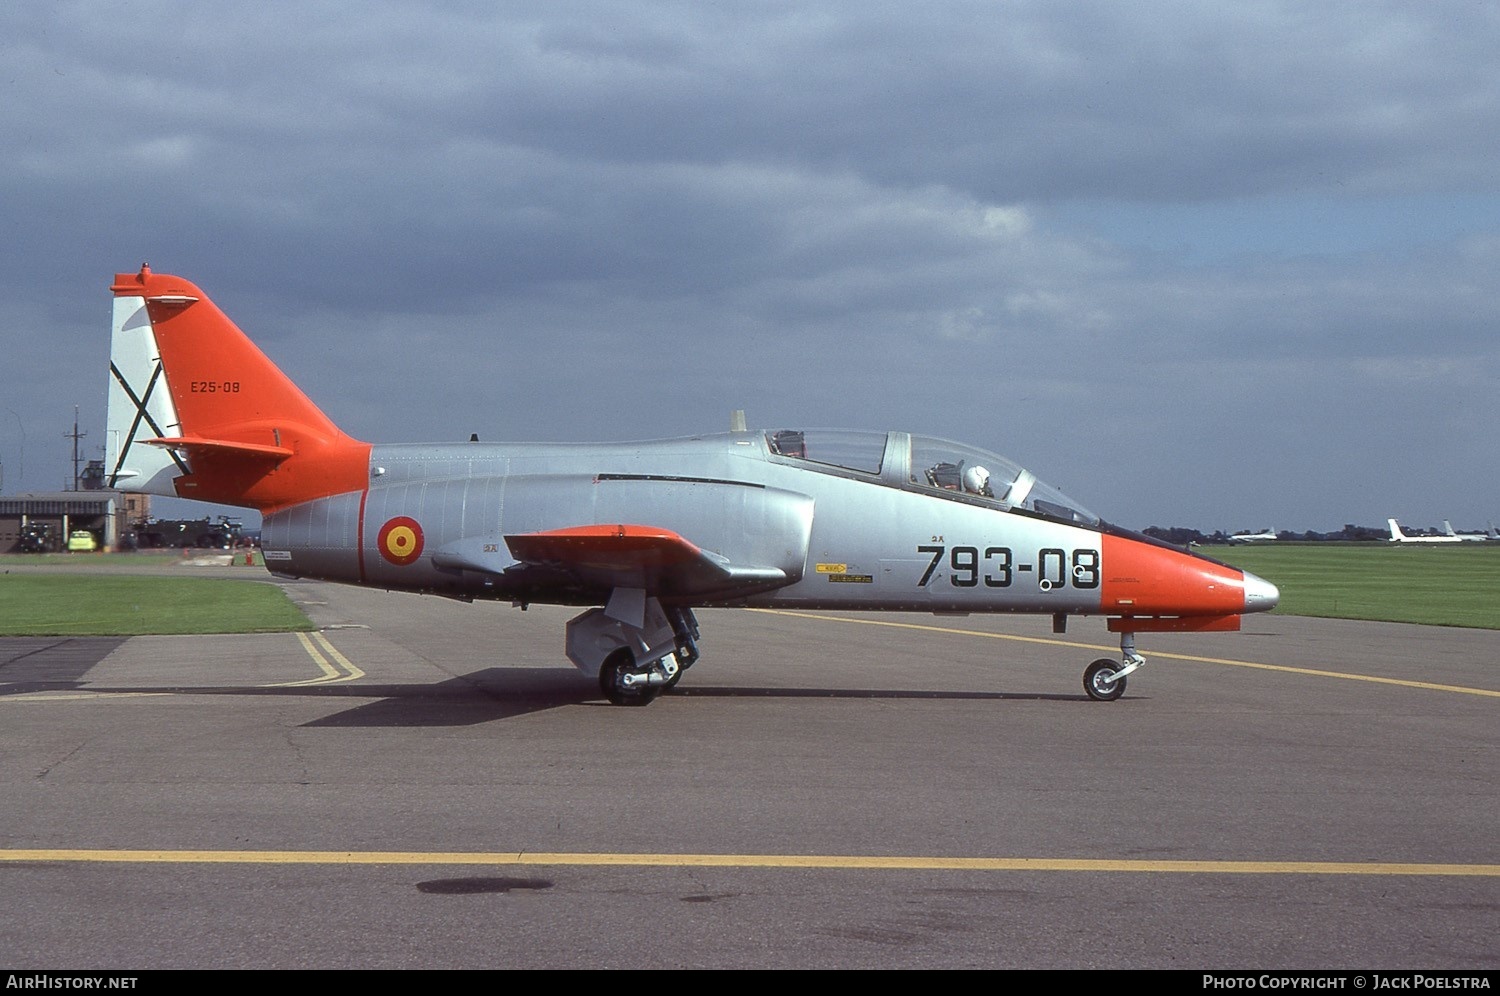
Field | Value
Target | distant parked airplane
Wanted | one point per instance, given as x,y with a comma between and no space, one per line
1466,537
1269,534
1397,536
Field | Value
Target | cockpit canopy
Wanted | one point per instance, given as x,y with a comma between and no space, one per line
925,463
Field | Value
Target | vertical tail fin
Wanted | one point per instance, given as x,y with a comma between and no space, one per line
197,411
1396,533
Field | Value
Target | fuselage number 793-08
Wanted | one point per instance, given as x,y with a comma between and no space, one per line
995,567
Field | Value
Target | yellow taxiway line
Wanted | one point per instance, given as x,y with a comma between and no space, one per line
1312,672
331,675
763,861
334,668
26,698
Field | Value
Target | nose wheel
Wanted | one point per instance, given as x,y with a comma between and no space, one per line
1104,679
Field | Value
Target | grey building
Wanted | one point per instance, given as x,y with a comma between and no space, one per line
48,519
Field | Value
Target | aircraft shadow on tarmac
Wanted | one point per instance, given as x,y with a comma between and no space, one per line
51,663
481,697
501,693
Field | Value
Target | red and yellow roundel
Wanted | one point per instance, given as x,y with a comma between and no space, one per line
400,540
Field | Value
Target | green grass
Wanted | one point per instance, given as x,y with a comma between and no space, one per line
142,558
114,605
1450,585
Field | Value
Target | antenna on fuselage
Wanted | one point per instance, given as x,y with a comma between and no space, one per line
737,420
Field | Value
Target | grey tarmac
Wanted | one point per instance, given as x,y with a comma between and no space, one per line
428,784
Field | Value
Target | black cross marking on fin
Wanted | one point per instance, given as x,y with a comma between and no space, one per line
141,413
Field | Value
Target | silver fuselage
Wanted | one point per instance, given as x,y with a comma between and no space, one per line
817,536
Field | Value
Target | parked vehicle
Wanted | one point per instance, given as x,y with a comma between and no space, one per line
39,537
183,534
82,541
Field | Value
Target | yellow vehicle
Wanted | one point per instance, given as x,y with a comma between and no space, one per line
82,541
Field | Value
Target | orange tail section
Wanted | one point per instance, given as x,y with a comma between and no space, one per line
196,410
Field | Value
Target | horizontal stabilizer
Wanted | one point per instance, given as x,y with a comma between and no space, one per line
197,444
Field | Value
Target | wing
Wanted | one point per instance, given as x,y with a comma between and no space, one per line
656,560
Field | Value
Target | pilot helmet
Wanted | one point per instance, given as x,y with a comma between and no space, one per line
977,480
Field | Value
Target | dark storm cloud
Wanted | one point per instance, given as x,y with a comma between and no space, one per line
1241,258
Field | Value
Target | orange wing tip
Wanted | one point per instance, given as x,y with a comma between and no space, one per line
612,531
602,544
613,537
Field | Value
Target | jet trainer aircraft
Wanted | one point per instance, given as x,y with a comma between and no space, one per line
639,534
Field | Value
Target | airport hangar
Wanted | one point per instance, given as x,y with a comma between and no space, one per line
61,513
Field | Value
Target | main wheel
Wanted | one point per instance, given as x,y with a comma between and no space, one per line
1100,682
616,665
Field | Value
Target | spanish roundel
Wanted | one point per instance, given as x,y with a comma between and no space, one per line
400,540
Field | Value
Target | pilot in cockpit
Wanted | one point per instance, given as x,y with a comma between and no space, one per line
974,480
977,482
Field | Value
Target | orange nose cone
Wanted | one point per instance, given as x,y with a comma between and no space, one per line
1145,579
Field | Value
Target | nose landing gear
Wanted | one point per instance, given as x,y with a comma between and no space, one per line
1104,680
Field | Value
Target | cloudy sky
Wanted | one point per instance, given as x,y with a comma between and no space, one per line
1211,265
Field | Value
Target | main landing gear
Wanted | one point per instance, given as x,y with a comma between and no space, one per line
1104,679
637,647
624,683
